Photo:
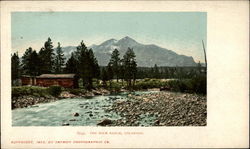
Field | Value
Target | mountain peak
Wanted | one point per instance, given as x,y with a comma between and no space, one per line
127,40
127,37
109,42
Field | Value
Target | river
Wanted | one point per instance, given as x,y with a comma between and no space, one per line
91,111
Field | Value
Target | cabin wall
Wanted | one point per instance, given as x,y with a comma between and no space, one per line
26,81
64,82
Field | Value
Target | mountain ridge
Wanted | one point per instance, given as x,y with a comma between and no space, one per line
146,54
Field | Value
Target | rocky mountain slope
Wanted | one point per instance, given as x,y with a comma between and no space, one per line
146,55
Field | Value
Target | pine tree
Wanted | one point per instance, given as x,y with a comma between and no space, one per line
97,71
110,74
104,77
166,73
87,65
71,65
30,62
151,72
26,60
90,68
134,70
130,67
156,72
122,70
59,59
15,67
34,64
42,57
82,65
115,63
46,56
94,67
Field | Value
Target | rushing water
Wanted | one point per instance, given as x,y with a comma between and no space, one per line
91,111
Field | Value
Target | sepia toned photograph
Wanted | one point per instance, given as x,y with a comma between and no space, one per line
108,68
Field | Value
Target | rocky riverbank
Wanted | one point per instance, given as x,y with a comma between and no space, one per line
31,100
67,94
26,101
161,109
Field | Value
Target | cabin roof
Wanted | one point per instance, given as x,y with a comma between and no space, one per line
56,76
26,76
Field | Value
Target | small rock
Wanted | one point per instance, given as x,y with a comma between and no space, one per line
65,124
157,122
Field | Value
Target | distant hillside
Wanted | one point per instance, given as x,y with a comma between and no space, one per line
146,55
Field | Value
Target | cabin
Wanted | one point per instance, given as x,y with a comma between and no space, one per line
28,80
64,80
45,80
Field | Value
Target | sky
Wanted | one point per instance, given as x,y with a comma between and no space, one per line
181,32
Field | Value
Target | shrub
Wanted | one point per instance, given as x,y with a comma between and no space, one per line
199,84
149,83
96,83
55,90
179,85
115,86
76,91
29,90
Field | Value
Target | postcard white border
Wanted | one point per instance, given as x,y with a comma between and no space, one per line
228,79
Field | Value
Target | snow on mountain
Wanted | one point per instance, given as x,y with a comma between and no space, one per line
146,55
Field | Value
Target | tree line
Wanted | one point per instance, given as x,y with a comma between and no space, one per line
82,62
34,63
166,72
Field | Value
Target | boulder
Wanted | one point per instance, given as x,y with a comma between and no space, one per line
76,114
104,122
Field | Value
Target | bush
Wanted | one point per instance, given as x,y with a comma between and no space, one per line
179,85
115,86
29,90
197,84
55,90
149,83
76,91
96,83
